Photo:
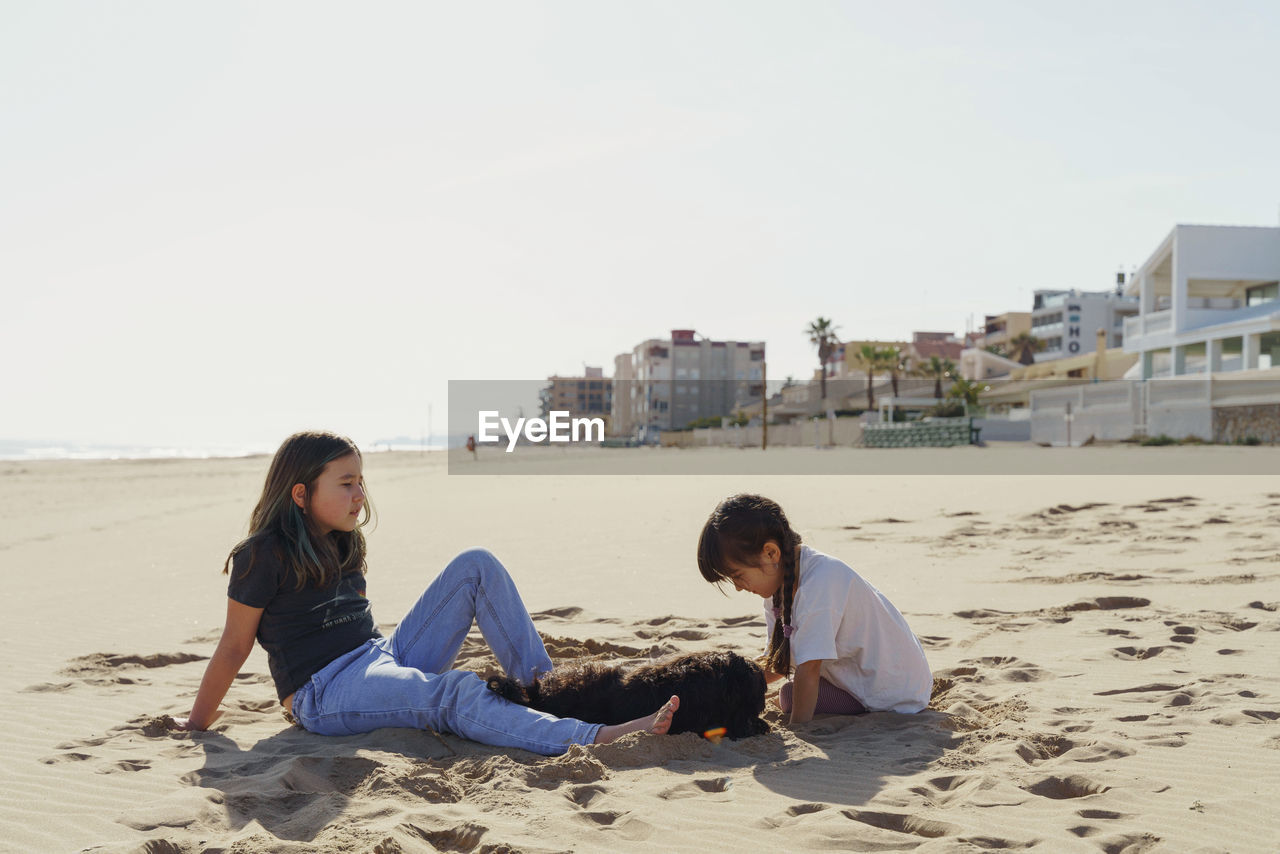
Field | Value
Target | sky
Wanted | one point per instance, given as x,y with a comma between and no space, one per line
224,222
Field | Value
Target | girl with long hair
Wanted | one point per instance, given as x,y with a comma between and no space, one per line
297,586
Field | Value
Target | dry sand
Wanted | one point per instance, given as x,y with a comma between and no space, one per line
1105,651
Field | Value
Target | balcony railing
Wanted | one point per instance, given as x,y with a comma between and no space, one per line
1147,324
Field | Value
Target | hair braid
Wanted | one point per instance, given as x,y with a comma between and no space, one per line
779,657
737,531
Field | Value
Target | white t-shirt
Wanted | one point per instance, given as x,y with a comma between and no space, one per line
864,643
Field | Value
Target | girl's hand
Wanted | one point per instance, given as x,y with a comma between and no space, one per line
184,724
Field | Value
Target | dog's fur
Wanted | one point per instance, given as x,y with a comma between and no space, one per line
716,689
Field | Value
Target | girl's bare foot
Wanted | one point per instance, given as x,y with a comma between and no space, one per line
658,724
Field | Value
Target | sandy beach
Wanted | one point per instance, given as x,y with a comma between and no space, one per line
1104,649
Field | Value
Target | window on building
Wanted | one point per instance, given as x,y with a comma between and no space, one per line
1260,294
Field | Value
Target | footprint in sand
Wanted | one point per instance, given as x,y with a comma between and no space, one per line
1068,787
63,758
46,687
1149,688
567,613
1247,716
791,815
1107,603
721,786
941,791
1044,748
1132,653
902,823
461,837
585,796
126,765
621,823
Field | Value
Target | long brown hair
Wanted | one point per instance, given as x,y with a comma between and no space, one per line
737,531
313,558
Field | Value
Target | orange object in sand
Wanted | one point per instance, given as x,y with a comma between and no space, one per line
714,735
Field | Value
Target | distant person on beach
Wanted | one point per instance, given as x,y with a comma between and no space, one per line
297,585
471,446
850,649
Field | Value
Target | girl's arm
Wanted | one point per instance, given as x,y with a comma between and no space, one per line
804,691
234,647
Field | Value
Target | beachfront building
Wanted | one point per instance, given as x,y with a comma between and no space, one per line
666,383
1066,322
587,396
1206,346
1208,301
1000,329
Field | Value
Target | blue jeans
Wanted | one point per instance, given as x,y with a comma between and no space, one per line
405,680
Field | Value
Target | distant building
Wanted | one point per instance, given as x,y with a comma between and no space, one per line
588,396
1066,322
914,353
944,345
1000,329
665,383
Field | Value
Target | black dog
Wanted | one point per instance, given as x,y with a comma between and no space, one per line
716,689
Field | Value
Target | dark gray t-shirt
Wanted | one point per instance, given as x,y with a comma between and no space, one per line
301,630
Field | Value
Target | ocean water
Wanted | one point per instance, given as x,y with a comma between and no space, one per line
35,449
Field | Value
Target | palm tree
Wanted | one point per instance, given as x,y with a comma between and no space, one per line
1023,347
939,368
966,391
870,358
822,334
894,363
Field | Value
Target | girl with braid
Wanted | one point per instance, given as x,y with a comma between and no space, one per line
850,649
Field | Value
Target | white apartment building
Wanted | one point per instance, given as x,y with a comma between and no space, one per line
665,383
1067,322
1208,302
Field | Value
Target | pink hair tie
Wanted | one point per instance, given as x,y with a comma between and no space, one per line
777,613
788,631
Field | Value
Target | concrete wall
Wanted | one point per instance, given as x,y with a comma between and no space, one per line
1003,429
846,431
1108,411
1213,407
1180,422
